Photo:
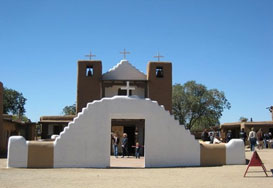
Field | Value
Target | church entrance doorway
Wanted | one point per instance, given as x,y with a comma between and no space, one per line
130,131
135,130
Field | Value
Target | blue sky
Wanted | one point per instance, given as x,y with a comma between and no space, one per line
223,44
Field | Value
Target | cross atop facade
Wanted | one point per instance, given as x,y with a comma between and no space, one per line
128,88
158,56
90,55
124,53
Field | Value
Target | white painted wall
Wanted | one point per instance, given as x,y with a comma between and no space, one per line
113,91
235,152
17,152
86,140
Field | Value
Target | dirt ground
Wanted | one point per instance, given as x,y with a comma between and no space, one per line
221,176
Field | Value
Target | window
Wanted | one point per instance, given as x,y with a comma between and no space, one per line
89,71
159,72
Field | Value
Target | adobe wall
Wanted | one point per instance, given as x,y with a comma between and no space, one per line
86,141
160,89
88,87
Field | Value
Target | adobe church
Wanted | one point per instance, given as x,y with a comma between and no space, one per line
144,113
92,85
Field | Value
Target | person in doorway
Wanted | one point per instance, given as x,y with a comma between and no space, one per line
137,150
243,135
229,136
252,137
125,145
115,144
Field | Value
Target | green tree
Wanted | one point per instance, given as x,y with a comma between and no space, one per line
13,102
196,107
70,110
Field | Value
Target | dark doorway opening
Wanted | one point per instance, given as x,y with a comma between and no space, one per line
130,131
135,130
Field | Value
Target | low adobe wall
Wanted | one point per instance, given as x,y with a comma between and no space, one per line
33,154
85,142
232,153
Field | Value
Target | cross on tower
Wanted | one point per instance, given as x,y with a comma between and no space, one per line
90,55
158,56
124,53
128,88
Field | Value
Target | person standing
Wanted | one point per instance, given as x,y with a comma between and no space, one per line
137,150
266,140
115,144
252,137
125,145
260,137
243,135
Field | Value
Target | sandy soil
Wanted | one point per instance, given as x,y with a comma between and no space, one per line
221,176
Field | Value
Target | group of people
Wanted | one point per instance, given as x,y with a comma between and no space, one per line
124,146
211,137
261,139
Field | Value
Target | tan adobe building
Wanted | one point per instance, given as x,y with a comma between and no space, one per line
10,127
236,127
123,78
53,125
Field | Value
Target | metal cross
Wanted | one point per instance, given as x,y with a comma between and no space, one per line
128,88
124,53
90,55
158,56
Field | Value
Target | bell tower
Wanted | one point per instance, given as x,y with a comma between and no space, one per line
159,76
88,82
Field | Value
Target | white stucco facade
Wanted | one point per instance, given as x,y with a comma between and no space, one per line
166,142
